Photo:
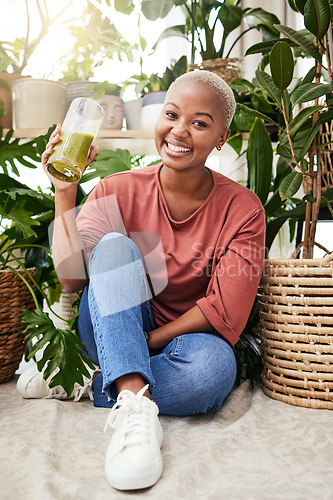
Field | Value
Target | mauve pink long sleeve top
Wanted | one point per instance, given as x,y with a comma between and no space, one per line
213,259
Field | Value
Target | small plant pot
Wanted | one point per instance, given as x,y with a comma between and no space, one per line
114,112
38,103
78,89
133,114
152,106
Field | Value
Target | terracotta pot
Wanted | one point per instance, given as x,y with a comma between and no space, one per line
6,96
38,103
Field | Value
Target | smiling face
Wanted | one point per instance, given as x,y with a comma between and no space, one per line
190,125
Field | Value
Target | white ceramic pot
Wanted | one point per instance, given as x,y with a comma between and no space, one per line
133,114
38,103
6,96
152,106
114,112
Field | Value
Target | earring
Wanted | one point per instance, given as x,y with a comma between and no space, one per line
219,147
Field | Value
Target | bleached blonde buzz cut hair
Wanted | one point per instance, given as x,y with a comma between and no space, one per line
222,89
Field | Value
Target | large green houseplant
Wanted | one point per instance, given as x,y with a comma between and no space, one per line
201,29
295,295
25,216
303,109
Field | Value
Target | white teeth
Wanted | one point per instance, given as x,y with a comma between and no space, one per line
177,149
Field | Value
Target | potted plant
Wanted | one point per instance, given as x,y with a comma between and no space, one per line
154,92
22,210
95,42
108,95
15,56
26,267
203,20
296,295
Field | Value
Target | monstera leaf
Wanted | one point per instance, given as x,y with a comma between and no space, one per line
63,355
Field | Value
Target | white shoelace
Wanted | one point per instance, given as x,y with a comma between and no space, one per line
131,417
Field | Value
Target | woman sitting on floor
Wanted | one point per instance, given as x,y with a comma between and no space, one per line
169,257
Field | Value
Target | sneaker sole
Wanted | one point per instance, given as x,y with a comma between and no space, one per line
22,383
144,478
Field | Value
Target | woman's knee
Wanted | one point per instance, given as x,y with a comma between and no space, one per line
113,251
213,365
199,371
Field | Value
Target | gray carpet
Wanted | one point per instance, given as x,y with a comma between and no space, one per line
254,447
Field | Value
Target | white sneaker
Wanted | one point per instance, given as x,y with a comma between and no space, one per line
31,385
133,459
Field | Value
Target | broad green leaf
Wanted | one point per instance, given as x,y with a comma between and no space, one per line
63,350
273,205
236,142
309,92
292,5
20,216
299,120
168,32
290,185
230,16
300,40
286,104
124,6
108,162
305,144
274,225
180,67
317,17
243,120
268,85
328,205
309,77
254,112
300,4
155,9
262,47
262,20
259,156
282,169
143,43
12,151
260,103
282,65
36,200
242,84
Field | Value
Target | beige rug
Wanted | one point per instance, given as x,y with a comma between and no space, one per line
254,447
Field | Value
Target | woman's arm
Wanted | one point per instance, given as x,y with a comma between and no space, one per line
69,255
190,322
229,297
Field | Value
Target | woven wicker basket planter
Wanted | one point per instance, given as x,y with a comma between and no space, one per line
296,329
228,69
14,296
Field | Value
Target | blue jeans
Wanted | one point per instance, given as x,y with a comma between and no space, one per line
192,374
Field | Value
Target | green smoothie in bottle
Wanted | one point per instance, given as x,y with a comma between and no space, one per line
69,156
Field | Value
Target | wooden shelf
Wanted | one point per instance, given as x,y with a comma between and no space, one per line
138,142
105,134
